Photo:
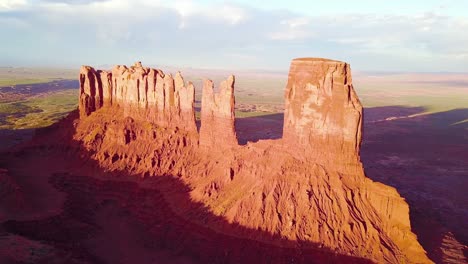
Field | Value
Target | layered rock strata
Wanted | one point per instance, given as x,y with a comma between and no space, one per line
139,92
217,114
323,115
307,189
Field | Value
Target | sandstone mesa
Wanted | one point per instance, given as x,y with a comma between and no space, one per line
308,186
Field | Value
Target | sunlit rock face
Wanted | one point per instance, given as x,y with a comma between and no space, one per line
140,93
323,114
217,114
306,191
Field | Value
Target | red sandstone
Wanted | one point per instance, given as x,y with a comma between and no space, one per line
308,186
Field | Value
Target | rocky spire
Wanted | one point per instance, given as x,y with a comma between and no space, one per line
90,94
217,114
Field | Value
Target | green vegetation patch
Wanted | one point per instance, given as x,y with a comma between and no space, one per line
36,112
17,81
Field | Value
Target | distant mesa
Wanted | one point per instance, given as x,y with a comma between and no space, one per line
308,186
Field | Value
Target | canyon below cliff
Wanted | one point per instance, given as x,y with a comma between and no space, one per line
152,169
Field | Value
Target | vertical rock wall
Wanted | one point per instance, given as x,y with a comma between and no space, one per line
322,115
141,93
217,114
89,101
161,98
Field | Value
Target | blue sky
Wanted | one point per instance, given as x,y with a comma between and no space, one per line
378,35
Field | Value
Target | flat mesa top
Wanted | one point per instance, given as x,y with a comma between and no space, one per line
316,60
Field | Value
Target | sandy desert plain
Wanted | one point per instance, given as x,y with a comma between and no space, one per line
415,139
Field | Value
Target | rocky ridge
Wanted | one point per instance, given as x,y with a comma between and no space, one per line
308,188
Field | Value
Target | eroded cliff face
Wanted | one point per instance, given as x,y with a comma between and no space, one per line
217,115
308,188
323,115
141,93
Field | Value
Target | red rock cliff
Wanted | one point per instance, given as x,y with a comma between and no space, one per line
217,114
309,188
140,93
323,114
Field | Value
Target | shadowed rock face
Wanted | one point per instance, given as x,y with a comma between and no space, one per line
307,188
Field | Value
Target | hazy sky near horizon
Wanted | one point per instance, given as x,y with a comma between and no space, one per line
399,35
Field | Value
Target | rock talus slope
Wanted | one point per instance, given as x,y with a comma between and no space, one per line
306,190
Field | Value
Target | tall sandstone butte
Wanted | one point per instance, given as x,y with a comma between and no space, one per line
306,191
323,114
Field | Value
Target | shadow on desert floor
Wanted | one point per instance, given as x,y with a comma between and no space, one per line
113,217
11,137
425,157
110,217
37,88
253,129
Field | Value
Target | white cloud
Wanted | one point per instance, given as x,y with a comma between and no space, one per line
230,14
218,31
9,5
289,35
296,22
295,28
143,9
234,15
432,33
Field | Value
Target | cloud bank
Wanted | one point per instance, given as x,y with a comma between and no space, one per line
223,35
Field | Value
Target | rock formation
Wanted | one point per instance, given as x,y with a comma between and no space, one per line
140,93
88,98
217,114
305,191
322,112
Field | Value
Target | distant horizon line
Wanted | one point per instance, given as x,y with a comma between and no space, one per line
253,70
